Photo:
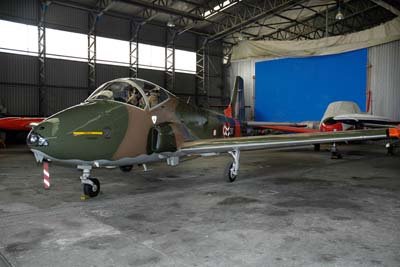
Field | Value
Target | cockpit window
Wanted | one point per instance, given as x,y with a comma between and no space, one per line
122,92
134,92
155,94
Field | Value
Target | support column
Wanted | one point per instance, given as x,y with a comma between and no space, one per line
200,70
92,52
226,63
134,49
42,58
170,59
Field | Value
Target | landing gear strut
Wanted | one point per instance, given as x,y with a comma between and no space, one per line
391,147
91,186
335,154
232,169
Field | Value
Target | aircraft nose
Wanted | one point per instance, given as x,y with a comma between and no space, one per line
41,135
85,132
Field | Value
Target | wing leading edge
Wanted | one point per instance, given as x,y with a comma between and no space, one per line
281,141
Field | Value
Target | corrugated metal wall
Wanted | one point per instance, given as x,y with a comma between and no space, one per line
384,63
18,80
67,80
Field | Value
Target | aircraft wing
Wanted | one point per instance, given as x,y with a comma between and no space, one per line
288,127
366,119
284,141
271,123
18,123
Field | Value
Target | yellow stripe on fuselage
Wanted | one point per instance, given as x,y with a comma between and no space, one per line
87,133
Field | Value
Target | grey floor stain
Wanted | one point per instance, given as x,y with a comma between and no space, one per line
98,243
321,203
138,217
320,230
237,200
19,247
72,224
217,193
367,178
328,258
152,261
172,176
279,213
305,181
340,218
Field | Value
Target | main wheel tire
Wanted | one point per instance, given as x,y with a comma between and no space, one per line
126,168
92,190
228,173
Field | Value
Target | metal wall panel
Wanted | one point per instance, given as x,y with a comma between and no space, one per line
106,73
22,11
385,79
67,18
185,84
215,86
18,69
66,73
186,41
152,34
215,66
246,70
20,100
112,27
155,76
60,98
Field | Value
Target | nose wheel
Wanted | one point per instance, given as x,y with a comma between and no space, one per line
90,185
91,190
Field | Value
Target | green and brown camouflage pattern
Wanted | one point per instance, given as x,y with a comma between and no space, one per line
119,133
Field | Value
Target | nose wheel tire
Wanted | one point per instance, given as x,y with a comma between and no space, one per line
126,168
231,177
92,190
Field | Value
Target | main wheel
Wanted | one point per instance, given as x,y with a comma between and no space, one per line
126,168
228,172
92,190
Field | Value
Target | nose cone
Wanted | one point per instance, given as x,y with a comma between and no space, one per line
88,132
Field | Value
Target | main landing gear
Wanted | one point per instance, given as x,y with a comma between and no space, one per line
335,154
391,148
91,186
232,169
126,168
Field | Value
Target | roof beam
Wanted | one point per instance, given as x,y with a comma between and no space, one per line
162,6
387,6
250,15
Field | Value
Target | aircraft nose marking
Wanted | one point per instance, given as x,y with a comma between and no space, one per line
81,133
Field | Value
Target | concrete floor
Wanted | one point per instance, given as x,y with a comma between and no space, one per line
297,208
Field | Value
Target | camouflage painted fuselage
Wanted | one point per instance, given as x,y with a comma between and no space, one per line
111,133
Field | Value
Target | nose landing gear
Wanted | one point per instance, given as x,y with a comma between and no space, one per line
232,169
91,186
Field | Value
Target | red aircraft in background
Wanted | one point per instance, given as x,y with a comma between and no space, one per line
18,123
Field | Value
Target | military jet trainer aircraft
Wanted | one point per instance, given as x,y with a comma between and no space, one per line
132,121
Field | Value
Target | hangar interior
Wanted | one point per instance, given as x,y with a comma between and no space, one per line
289,209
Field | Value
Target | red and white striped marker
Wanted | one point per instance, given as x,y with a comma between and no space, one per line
46,175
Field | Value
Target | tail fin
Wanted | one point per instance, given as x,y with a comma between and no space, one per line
235,108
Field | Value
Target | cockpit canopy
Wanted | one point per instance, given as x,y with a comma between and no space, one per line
135,92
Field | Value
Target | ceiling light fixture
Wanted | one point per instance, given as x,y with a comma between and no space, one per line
339,15
170,23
